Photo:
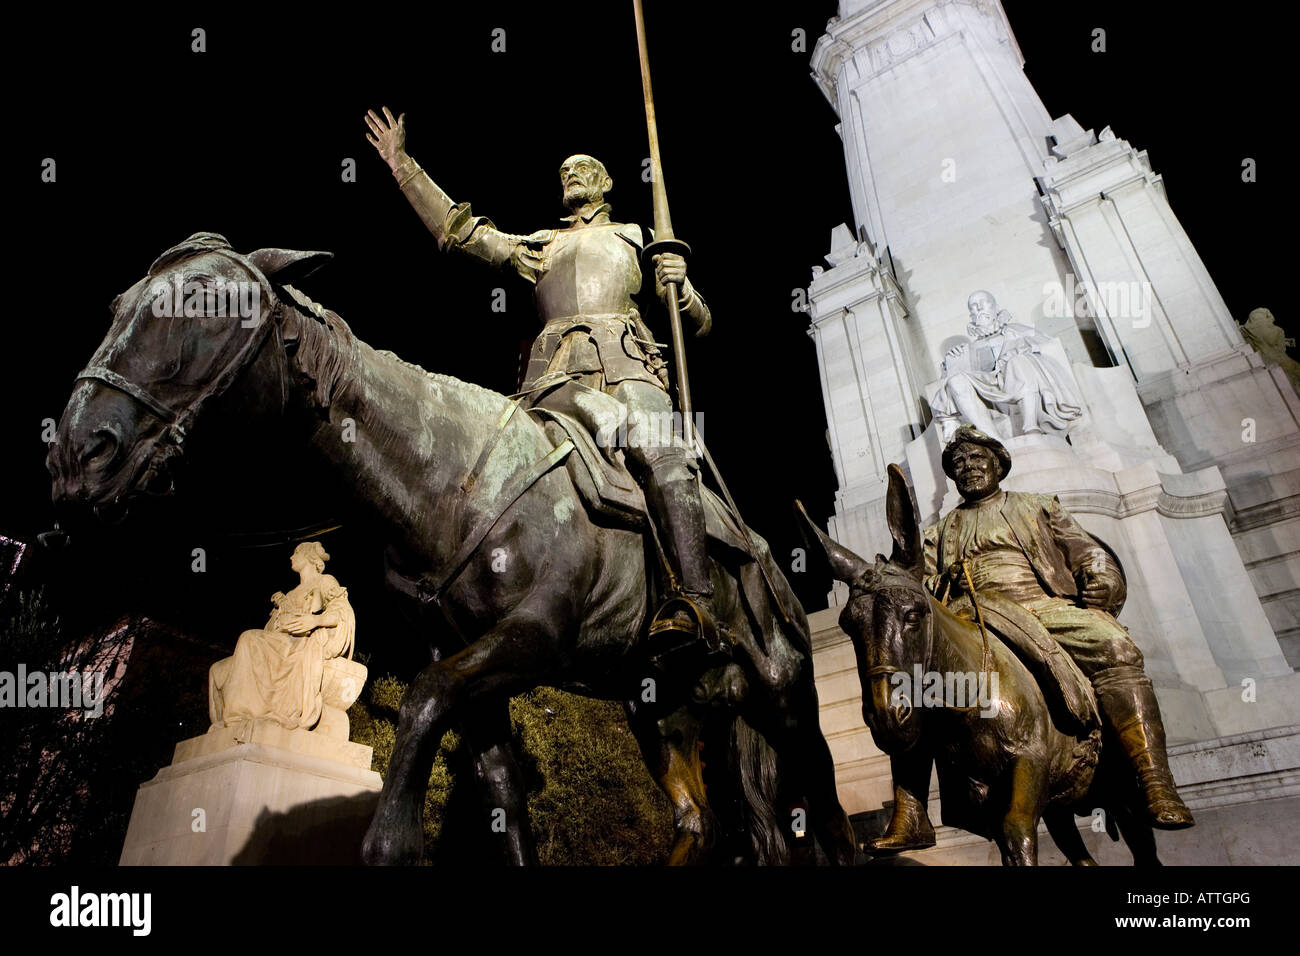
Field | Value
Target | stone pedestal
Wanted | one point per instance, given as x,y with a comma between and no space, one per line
283,797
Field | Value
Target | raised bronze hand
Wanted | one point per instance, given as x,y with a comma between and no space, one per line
389,137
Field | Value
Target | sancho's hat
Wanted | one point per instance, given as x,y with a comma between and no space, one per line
970,435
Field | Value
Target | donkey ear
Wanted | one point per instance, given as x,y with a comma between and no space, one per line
287,266
845,565
900,514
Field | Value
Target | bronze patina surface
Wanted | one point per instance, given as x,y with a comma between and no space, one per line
1007,585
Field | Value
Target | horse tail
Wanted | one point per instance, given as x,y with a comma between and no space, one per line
760,784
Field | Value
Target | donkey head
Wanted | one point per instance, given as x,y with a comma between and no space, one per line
887,617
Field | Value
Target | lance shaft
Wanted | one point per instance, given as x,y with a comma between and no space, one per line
665,241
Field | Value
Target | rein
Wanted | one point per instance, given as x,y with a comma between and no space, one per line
986,657
519,483
986,660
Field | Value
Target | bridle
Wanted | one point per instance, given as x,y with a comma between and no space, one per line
168,443
870,580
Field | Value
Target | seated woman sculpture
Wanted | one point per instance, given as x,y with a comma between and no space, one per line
276,672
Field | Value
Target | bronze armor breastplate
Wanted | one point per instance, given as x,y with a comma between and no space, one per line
589,271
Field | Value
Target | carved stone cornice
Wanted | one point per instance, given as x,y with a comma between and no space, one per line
886,32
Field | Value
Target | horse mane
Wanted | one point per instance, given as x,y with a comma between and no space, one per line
328,348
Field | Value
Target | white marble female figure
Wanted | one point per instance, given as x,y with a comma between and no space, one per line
276,672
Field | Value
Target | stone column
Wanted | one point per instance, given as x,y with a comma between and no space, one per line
872,406
1210,398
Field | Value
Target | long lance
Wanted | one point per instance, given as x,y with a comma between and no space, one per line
665,241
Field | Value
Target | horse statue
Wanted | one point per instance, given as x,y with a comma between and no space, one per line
1003,762
484,520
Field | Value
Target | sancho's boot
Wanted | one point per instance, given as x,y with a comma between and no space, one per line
1128,702
673,499
909,827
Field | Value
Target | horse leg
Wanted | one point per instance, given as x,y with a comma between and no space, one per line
796,736
501,785
1060,824
502,661
670,747
830,823
1018,836
1134,827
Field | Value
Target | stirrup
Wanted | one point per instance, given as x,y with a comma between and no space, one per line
687,618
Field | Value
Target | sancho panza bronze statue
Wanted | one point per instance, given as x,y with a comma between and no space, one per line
594,345
1042,581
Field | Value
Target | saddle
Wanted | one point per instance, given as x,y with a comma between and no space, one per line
1066,689
608,490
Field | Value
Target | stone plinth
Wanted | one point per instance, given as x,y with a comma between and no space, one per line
307,743
282,798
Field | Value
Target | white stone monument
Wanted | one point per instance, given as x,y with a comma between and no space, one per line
1185,454
275,779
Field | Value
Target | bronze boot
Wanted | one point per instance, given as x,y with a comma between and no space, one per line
678,513
1128,702
909,827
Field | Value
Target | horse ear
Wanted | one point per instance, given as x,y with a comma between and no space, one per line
845,565
287,266
900,514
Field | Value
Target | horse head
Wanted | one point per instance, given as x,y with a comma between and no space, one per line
180,339
888,618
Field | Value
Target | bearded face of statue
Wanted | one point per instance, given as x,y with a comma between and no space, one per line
583,180
976,471
983,310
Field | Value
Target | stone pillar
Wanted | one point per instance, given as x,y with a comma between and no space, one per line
872,406
1210,398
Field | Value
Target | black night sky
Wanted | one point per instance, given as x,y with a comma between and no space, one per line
154,142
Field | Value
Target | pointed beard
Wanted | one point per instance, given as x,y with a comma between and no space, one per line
579,195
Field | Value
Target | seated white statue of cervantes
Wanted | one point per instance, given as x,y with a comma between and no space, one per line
1003,370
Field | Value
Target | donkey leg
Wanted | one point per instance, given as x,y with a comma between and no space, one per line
1060,824
670,747
501,785
1018,837
502,661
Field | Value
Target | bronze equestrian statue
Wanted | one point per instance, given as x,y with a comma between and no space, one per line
595,358
451,478
1019,566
